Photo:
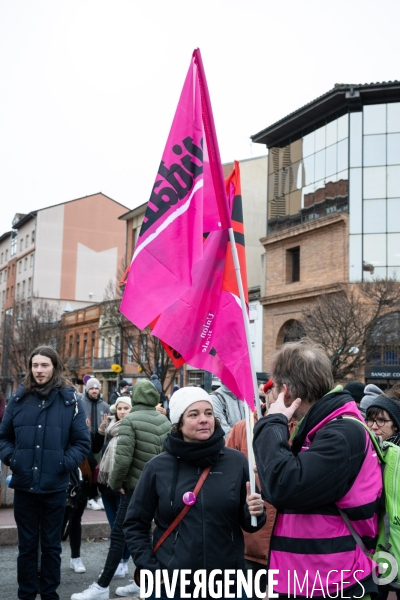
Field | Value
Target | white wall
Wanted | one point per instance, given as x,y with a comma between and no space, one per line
48,252
256,333
94,271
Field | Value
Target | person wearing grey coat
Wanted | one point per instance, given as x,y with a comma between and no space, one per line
227,408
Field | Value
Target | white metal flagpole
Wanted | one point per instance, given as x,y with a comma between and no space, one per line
253,370
245,317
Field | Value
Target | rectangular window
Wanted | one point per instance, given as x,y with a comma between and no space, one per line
196,378
143,349
23,289
77,341
130,350
93,340
1,276
33,237
6,255
70,345
26,241
25,263
8,289
84,348
293,265
20,266
103,347
2,254
29,286
18,289
21,246
3,299
14,241
32,260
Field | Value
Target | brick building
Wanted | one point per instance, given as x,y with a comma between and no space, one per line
63,255
333,212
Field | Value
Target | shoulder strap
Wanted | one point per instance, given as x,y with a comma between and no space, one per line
354,532
345,518
184,510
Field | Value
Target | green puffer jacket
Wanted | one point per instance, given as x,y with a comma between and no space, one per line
141,437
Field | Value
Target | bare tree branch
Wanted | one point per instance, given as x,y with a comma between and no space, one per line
35,323
353,323
140,345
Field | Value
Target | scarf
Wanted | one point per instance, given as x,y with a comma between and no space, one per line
107,462
199,454
394,439
44,391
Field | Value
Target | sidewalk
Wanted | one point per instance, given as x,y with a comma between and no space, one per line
94,525
93,555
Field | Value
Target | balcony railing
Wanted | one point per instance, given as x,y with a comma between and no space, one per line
104,363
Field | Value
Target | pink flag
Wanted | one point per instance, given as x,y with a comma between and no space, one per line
182,205
206,324
176,277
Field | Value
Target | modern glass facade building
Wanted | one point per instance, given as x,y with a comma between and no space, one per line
333,210
341,153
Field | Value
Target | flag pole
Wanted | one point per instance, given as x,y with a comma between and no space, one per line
249,432
245,317
226,222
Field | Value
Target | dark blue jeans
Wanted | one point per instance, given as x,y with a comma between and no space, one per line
39,514
111,504
117,541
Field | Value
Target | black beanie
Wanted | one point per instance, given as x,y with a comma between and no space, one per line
356,389
123,383
391,406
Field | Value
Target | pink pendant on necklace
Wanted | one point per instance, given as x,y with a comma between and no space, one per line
189,498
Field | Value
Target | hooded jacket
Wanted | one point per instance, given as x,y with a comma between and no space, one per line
331,464
43,441
141,437
227,408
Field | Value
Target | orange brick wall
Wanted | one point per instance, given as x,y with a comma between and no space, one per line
323,264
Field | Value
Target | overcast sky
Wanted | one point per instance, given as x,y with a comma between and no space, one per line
89,87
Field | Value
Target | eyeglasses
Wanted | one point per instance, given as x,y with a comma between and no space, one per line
379,422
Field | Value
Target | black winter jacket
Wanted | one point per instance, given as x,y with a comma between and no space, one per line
209,536
44,441
320,476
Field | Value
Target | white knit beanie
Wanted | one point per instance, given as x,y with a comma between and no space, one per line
126,399
183,398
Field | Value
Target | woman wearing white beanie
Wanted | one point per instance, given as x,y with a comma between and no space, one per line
209,536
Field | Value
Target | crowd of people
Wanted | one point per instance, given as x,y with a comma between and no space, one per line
173,478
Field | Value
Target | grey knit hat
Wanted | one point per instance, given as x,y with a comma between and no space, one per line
156,382
370,393
93,383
